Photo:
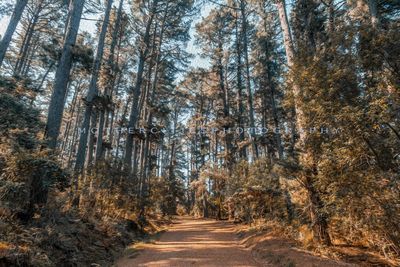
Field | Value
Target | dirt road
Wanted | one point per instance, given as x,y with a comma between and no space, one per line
194,242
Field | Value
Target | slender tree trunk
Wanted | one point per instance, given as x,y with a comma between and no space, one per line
26,45
274,111
239,81
110,121
39,88
92,91
71,115
250,104
287,35
137,89
148,101
289,48
110,84
225,100
57,101
92,137
28,62
23,43
15,18
72,146
122,122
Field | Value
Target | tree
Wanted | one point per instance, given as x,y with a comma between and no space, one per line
250,104
92,92
16,16
216,35
143,54
56,107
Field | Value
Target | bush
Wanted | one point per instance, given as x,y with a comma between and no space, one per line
19,125
25,182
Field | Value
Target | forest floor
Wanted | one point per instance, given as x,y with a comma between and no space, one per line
207,242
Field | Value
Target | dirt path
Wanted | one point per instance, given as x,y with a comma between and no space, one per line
194,242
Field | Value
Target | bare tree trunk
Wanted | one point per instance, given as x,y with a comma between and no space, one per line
92,91
137,89
15,18
289,48
92,137
110,84
71,115
57,101
250,104
225,100
31,53
122,122
111,117
23,43
26,45
45,76
100,134
287,35
72,145
239,81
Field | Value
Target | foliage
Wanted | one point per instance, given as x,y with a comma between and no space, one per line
19,125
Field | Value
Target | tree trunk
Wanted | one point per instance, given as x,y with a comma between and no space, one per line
239,84
122,122
15,18
92,91
287,35
225,100
104,113
100,134
57,101
92,137
137,89
250,104
26,45
30,57
72,145
71,115
318,219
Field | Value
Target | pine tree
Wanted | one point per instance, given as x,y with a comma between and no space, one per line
92,93
16,16
56,107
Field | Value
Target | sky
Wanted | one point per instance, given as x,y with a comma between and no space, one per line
3,24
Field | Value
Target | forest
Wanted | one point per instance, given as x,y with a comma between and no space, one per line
116,115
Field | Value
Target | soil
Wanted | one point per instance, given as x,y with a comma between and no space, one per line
211,243
193,242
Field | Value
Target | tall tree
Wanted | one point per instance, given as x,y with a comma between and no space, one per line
111,70
92,91
306,160
143,54
250,101
16,16
57,102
